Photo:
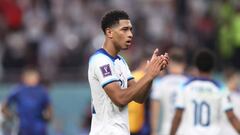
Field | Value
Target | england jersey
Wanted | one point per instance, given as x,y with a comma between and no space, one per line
107,118
165,90
227,128
203,101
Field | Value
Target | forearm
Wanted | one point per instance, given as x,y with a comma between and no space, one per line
175,125
143,93
47,114
236,124
234,121
6,112
176,122
121,97
154,118
129,94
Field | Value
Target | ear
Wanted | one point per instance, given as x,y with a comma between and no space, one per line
109,32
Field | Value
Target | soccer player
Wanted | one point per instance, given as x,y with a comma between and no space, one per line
232,78
164,93
112,85
33,107
203,100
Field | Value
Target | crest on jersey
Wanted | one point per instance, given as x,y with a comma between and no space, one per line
106,71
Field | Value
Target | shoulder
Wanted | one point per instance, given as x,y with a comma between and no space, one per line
17,88
204,81
98,58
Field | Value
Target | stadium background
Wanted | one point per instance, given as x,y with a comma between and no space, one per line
58,36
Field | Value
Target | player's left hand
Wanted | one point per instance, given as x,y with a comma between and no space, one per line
165,62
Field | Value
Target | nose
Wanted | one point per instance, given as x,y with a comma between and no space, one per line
130,34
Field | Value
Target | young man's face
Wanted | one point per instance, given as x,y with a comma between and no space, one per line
122,34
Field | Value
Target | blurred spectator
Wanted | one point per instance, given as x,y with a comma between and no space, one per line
49,53
68,42
32,105
236,36
34,20
15,51
206,31
1,57
11,13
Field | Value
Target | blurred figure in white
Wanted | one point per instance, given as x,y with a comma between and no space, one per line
203,100
232,78
1,121
164,92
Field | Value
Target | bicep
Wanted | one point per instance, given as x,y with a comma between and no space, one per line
178,114
131,82
114,92
230,115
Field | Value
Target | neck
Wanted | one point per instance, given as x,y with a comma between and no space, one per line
204,74
110,48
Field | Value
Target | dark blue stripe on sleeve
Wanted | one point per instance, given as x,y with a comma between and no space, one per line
109,83
230,109
130,78
179,108
93,110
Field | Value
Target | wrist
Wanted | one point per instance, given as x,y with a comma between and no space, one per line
149,77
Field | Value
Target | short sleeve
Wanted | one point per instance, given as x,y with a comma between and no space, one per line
156,90
12,97
128,72
226,102
103,70
180,99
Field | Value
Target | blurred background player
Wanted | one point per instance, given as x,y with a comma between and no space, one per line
164,92
30,102
203,100
231,77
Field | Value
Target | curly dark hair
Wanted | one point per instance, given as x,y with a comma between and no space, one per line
112,18
204,60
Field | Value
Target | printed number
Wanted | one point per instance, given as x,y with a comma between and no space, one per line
201,113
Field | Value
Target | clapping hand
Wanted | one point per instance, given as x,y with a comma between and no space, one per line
157,63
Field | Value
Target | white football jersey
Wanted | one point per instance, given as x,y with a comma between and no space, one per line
227,128
203,101
165,90
107,118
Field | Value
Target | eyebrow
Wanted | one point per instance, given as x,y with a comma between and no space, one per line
129,27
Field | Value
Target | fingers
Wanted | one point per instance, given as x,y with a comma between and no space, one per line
157,63
166,58
166,61
155,54
155,51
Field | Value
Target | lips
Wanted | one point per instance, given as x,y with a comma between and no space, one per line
129,41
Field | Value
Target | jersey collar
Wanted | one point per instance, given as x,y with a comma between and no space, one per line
103,51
